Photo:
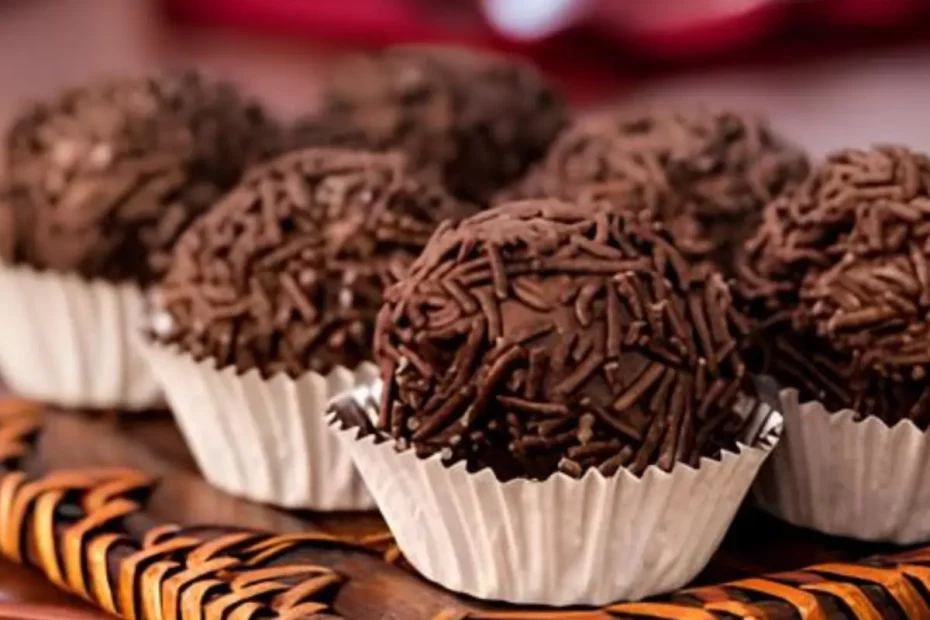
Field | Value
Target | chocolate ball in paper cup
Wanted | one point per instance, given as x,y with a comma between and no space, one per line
268,309
840,275
100,181
560,418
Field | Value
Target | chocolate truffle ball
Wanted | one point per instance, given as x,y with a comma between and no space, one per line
285,274
115,170
475,120
542,336
839,275
704,173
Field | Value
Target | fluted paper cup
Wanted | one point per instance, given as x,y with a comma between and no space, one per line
70,341
562,541
264,439
860,479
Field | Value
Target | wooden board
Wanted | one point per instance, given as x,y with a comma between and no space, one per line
376,589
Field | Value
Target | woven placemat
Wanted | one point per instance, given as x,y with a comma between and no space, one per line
88,532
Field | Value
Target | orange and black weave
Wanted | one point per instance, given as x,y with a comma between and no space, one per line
88,532
85,530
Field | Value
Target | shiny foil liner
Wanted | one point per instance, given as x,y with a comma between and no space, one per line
562,541
71,341
859,479
263,439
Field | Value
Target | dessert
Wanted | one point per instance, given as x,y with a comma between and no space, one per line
473,120
540,337
286,272
836,279
705,173
101,180
268,310
838,271
114,171
556,367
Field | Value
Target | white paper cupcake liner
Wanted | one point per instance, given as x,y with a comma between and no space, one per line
561,541
263,439
71,342
862,479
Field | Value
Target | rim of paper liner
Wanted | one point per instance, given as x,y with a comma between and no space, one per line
559,541
848,415
766,444
212,363
857,478
241,420
767,431
78,370
770,389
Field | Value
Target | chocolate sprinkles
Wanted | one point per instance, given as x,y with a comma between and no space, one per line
307,287
704,173
112,173
564,369
843,259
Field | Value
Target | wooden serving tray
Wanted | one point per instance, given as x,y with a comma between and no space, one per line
113,508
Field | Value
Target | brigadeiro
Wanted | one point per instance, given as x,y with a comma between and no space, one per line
268,309
551,367
473,120
704,172
107,176
837,278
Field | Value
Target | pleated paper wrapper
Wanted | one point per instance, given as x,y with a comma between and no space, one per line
71,341
263,439
562,541
860,479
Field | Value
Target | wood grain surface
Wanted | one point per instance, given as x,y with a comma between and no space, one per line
25,611
18,584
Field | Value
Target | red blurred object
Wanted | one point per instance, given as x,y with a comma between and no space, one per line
631,38
376,22
669,28
702,27
661,28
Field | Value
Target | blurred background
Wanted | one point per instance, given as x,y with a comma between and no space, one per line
829,72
